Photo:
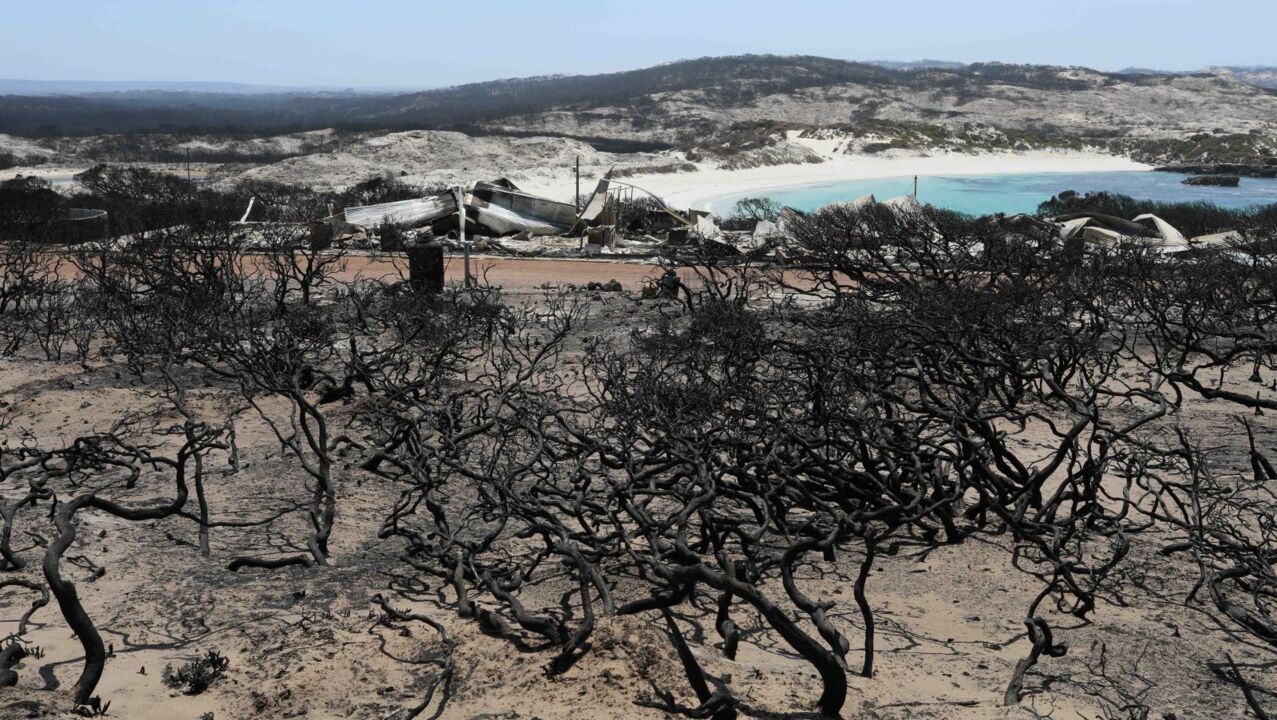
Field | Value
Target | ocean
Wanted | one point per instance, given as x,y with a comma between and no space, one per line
988,194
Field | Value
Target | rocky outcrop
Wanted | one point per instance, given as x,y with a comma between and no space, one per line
1266,168
1213,180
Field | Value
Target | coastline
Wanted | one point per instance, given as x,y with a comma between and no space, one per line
698,189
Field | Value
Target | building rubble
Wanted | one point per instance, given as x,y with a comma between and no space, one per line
497,217
1147,231
619,219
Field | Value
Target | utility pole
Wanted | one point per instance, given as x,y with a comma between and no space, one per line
459,194
577,200
915,187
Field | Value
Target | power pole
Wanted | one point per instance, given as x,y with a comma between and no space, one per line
915,187
577,200
458,192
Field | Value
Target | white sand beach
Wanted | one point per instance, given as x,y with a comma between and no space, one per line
697,189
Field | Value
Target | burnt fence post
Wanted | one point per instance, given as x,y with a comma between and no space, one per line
425,266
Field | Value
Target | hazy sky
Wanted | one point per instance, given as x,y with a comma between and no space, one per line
427,43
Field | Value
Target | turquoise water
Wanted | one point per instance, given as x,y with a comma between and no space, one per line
987,194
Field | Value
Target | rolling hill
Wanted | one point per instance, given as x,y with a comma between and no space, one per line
737,109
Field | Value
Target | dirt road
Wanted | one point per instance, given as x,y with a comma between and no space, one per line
515,273
510,274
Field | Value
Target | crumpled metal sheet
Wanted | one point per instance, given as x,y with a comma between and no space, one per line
594,207
506,210
417,211
504,220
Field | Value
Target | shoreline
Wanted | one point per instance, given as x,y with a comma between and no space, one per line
698,190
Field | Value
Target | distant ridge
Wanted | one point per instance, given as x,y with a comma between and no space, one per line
918,64
1144,71
1263,76
81,88
745,99
1260,75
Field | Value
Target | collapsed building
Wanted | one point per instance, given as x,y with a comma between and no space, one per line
1146,230
493,208
623,219
499,216
1075,232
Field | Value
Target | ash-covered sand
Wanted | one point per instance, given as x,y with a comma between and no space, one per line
305,642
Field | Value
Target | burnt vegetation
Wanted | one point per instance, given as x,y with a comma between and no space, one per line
921,381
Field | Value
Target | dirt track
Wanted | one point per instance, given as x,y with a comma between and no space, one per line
516,273
522,274
511,274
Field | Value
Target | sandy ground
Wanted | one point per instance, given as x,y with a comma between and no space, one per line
513,273
532,275
304,642
526,276
62,176
56,174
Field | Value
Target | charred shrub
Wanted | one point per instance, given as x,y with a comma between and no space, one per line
392,238
718,330
195,676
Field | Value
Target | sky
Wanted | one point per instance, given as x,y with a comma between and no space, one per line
426,43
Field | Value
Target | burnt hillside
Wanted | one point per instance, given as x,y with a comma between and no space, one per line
732,80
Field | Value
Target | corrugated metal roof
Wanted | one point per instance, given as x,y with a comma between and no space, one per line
403,212
505,220
504,210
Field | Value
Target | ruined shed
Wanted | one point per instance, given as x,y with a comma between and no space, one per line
503,208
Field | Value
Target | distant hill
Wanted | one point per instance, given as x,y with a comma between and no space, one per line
1261,76
1257,75
82,88
448,107
733,105
918,64
1145,71
720,81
